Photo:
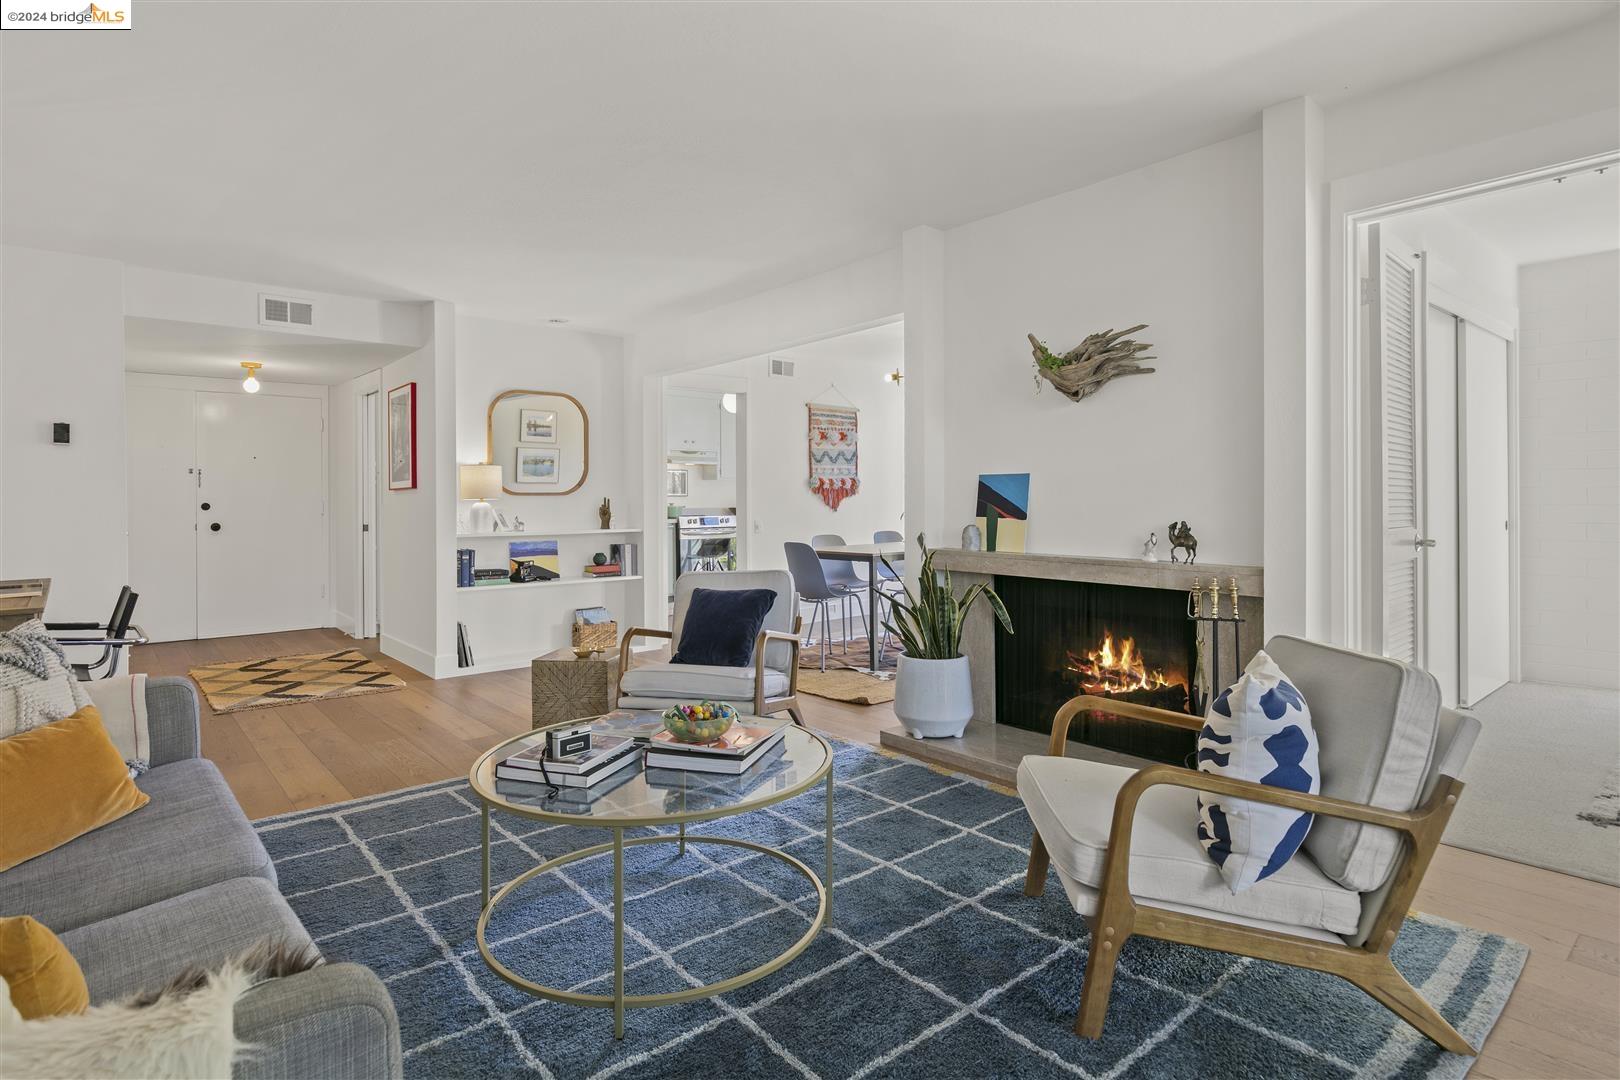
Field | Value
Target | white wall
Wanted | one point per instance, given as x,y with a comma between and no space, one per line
66,506
1569,470
780,504
1175,245
417,556
510,627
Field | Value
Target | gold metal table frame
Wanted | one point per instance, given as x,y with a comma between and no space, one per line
619,1001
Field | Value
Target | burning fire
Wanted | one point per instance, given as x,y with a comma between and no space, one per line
1107,671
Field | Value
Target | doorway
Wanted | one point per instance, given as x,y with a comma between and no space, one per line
228,510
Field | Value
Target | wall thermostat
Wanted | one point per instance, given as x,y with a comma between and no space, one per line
59,432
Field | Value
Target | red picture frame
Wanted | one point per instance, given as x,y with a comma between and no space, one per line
402,443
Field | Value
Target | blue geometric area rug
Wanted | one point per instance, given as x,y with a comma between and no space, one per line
936,964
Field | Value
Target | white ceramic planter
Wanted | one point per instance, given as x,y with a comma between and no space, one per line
933,699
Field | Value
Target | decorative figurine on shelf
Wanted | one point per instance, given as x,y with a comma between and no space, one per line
1233,587
517,524
1195,600
605,513
972,538
1215,598
1149,548
1182,538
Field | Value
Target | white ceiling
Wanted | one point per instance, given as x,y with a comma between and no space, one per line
1549,220
614,163
179,348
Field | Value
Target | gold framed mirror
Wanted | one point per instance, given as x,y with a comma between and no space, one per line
541,439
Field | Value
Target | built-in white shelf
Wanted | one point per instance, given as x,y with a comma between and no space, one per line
545,534
552,584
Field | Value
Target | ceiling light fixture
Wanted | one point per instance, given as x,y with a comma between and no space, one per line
251,383
728,402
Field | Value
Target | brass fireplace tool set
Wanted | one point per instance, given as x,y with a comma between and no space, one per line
1204,683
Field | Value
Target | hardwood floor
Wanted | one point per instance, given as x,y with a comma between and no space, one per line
1562,1023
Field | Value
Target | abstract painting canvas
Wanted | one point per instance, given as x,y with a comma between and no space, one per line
1002,513
543,553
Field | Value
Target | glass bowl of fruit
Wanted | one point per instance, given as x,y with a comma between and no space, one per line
701,723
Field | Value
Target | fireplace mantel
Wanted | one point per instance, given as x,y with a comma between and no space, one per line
993,750
1163,574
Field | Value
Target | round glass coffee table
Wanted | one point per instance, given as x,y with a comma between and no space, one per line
639,797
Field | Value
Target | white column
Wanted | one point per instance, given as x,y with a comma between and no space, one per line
922,271
1295,481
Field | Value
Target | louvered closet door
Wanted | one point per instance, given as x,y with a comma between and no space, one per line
1396,295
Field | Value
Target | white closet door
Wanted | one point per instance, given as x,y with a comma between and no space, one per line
1396,296
261,543
162,511
1440,471
1483,418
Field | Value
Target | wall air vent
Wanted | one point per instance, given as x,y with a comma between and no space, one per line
781,367
285,311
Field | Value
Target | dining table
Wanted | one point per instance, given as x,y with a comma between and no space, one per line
872,555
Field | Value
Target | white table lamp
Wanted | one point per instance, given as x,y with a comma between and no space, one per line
481,483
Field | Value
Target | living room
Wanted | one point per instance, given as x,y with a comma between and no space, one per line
463,291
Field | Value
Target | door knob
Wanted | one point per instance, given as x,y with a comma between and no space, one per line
207,506
214,527
1421,542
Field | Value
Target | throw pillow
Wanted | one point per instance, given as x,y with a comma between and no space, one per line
36,684
1258,729
722,626
42,975
59,782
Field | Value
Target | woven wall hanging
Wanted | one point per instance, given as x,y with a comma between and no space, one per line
835,467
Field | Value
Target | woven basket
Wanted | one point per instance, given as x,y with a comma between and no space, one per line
603,637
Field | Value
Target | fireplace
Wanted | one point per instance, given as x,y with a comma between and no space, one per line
1127,642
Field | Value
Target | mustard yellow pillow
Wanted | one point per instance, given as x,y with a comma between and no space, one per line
59,782
44,978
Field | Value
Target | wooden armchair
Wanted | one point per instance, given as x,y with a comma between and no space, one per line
770,685
1339,903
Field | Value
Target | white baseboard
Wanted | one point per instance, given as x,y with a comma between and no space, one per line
343,621
408,654
508,662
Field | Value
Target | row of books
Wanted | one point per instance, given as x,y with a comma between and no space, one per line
468,573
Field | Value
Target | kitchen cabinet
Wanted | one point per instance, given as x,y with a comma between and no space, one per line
692,427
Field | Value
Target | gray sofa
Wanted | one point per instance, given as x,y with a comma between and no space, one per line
184,881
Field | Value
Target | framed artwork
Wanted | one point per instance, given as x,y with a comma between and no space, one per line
1002,512
402,437
537,426
537,466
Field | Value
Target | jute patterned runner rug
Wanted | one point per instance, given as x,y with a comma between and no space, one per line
286,680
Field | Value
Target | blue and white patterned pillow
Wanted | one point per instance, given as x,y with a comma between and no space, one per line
1258,729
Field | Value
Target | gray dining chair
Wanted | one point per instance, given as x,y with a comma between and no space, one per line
811,581
844,578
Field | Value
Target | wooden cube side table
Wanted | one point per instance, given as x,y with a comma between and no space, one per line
566,687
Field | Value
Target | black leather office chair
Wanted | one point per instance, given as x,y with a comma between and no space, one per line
117,634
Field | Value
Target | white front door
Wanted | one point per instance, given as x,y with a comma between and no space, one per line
1486,570
163,499
1397,314
261,530
370,482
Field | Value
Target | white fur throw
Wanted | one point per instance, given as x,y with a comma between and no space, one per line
178,1037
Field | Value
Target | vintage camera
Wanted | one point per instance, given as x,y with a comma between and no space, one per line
567,741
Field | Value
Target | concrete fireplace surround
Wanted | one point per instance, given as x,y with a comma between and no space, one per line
991,750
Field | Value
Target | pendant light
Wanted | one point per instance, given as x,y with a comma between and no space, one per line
251,383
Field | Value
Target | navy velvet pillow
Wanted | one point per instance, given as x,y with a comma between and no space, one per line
722,626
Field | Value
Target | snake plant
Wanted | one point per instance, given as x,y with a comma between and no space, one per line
929,621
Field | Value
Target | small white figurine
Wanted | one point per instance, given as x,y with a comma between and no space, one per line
1149,552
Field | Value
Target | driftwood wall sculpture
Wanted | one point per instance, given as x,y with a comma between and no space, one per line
1084,369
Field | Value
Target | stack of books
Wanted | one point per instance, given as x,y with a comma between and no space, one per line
608,754
734,753
489,575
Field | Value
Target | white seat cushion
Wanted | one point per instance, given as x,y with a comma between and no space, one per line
1084,899
1071,803
694,682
